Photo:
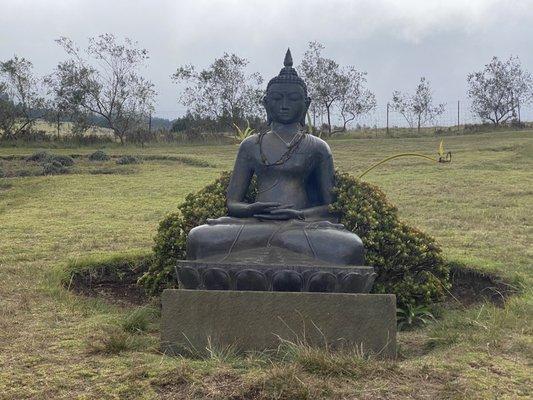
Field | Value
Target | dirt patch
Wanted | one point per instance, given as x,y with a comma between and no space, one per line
470,286
112,171
122,294
193,161
114,280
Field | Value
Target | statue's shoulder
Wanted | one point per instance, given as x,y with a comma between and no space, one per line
318,145
248,147
249,142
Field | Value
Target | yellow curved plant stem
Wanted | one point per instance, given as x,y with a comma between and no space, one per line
393,157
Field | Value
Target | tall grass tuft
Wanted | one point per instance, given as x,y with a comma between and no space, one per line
211,352
139,320
325,361
111,339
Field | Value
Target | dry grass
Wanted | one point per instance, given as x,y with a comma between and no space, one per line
55,344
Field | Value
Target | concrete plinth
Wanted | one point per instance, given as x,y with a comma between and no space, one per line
257,320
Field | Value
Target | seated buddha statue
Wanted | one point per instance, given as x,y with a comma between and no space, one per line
295,177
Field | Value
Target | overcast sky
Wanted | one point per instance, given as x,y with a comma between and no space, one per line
395,41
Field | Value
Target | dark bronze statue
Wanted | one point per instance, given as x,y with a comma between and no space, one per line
289,222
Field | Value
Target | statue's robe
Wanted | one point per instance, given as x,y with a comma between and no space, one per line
304,181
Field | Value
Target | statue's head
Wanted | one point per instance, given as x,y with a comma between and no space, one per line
286,99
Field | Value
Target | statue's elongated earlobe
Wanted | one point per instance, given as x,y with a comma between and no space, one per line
269,117
307,104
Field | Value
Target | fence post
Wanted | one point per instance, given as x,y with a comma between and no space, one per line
458,109
387,119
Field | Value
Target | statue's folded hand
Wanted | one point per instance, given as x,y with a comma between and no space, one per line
245,210
260,207
282,214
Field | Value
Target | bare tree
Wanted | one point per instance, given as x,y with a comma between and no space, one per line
57,105
223,91
334,88
417,108
499,89
324,80
21,102
355,99
9,113
105,81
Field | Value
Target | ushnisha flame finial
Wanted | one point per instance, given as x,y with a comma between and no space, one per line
288,58
288,74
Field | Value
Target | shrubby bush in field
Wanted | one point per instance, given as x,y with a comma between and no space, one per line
54,168
66,161
98,155
128,160
38,156
45,157
408,262
52,164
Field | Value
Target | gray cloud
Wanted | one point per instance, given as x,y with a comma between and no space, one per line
396,42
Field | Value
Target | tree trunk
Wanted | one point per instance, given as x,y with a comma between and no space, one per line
418,125
120,137
58,122
329,119
345,122
21,128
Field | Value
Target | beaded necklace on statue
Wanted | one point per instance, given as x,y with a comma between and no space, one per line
291,148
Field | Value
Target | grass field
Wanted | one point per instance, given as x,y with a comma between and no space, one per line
58,345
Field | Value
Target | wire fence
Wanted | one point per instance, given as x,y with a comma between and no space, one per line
456,113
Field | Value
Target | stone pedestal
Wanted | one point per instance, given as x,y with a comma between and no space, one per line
255,321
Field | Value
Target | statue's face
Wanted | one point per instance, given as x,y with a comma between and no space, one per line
286,103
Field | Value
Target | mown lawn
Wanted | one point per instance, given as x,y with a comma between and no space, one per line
58,345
